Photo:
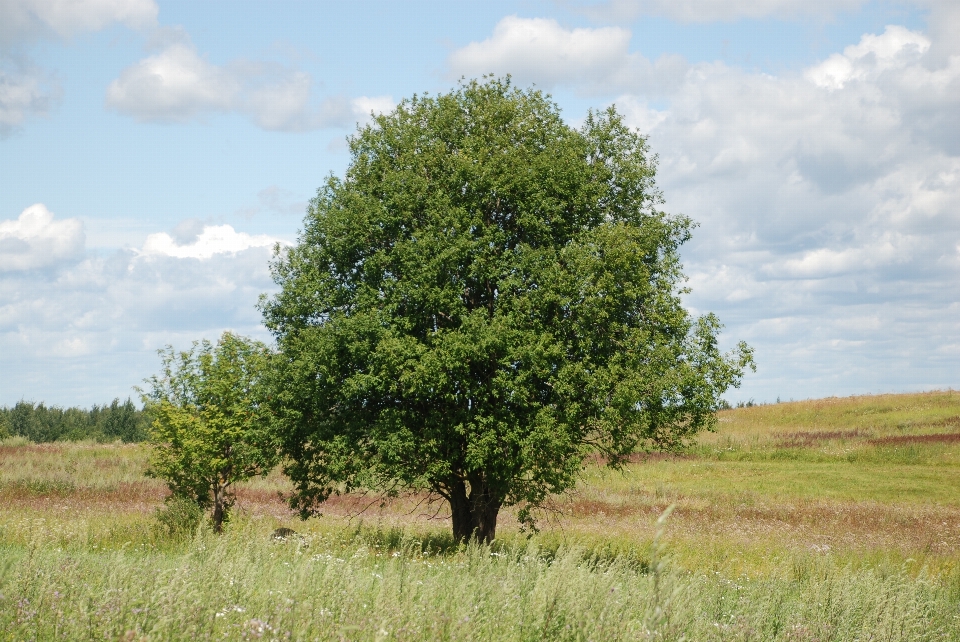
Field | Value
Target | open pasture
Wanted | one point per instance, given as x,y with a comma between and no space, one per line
815,520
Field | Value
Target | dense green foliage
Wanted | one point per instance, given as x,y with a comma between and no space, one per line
488,296
41,423
209,425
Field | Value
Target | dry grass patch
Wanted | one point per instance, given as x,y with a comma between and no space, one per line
878,415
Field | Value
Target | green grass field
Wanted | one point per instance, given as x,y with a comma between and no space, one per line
834,519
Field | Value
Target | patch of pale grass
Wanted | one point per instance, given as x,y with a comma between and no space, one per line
73,464
867,416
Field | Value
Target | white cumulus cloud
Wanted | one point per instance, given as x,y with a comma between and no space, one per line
541,51
214,239
172,86
84,326
363,106
826,262
28,19
25,91
36,240
715,10
179,85
895,48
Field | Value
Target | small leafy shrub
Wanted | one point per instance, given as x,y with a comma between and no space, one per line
178,517
209,422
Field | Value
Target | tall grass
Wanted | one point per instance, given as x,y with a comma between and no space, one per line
370,585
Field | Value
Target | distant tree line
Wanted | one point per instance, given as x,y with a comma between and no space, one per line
725,405
41,423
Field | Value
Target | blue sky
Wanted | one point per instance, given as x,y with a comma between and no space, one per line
151,153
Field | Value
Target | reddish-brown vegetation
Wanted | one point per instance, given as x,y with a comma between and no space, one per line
807,439
902,440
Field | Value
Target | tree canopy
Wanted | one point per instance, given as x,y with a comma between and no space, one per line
488,296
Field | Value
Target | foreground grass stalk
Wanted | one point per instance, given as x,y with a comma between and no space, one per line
243,585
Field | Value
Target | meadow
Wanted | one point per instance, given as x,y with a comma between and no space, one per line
834,519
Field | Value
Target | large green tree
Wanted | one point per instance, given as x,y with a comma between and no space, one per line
487,297
209,427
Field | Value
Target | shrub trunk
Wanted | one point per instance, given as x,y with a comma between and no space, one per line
219,507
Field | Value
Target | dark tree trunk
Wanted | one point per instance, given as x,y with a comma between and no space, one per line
463,526
475,514
219,508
